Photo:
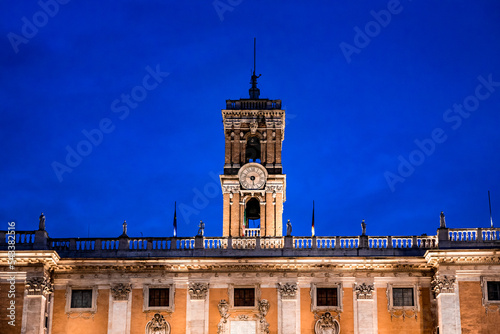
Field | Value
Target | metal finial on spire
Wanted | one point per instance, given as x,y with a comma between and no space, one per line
254,91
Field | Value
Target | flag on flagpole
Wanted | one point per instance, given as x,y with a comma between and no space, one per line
312,227
175,219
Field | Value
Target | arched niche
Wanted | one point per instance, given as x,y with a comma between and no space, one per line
253,149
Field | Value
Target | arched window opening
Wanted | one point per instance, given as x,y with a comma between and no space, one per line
252,152
252,213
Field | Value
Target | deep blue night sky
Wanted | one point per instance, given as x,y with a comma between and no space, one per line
355,106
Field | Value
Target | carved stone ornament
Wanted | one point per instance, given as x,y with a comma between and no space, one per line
120,291
232,124
230,188
198,290
263,309
158,325
364,291
274,188
288,290
326,324
443,285
253,127
224,314
39,286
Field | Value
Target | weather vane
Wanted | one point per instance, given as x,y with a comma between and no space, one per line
254,91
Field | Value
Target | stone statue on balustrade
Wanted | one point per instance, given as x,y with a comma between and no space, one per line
442,222
201,229
41,224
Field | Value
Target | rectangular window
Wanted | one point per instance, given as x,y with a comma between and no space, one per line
326,297
81,298
493,290
159,297
244,297
402,297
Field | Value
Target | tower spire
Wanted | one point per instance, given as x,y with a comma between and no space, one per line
254,91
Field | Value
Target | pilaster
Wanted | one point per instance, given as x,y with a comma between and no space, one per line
288,308
119,309
448,304
197,309
37,291
270,214
365,312
235,215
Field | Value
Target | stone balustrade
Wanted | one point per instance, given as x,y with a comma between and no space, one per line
252,232
264,246
474,234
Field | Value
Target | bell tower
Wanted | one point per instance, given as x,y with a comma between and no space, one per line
253,183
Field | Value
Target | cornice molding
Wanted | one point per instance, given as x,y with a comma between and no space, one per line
437,257
48,258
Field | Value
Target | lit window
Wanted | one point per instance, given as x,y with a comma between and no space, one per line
493,290
81,298
326,297
402,297
159,297
244,297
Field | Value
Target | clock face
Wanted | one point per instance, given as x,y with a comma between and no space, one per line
252,176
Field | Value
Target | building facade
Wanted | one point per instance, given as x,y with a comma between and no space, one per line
252,279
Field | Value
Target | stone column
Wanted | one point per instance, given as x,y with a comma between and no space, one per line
364,310
448,304
37,291
197,309
119,309
288,308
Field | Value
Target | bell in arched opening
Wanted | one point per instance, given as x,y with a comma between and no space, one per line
252,152
253,209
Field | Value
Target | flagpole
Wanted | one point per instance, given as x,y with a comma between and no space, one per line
489,201
312,226
175,219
